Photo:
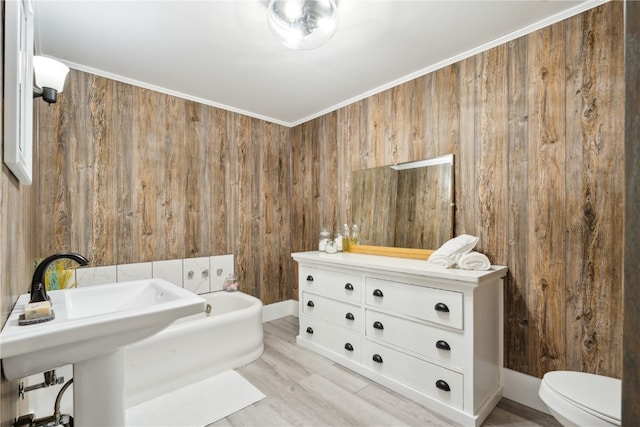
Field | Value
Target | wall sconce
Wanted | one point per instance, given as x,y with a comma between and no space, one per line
49,78
303,24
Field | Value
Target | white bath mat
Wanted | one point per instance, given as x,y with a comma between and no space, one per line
196,405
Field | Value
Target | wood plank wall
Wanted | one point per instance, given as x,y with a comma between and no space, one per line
536,127
131,175
631,344
17,255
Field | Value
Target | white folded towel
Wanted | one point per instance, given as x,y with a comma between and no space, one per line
474,261
448,254
440,261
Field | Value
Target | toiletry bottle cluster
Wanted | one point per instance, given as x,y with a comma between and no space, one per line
341,241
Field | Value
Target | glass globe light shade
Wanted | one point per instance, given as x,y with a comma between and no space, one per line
303,24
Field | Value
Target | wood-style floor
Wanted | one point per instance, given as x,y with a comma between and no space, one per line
305,389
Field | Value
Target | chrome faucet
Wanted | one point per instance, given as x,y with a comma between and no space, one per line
38,291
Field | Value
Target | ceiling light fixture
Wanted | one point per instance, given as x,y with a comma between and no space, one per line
49,76
303,24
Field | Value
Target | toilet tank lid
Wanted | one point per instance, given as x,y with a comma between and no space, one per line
595,393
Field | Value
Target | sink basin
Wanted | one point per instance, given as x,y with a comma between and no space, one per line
90,322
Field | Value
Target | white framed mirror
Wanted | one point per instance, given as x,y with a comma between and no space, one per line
18,89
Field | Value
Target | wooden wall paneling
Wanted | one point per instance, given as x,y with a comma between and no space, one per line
631,355
324,127
274,207
225,170
546,158
516,314
416,138
330,135
269,211
465,179
285,264
430,118
171,171
300,238
248,201
266,207
301,189
310,187
103,191
197,187
80,160
122,114
448,110
402,100
493,151
370,132
187,182
145,191
324,169
611,198
298,174
343,167
381,129
316,207
355,135
54,221
359,148
17,253
58,136
594,201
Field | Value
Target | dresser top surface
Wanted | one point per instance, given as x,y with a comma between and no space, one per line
397,265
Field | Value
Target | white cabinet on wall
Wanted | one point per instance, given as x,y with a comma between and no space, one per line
432,335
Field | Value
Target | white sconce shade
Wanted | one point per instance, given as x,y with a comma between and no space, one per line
303,24
49,77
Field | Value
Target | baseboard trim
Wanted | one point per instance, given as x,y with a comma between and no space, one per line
522,388
279,309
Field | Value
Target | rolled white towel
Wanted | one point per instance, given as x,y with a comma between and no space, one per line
458,246
474,261
440,261
448,254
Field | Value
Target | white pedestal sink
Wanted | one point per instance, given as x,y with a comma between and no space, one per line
90,328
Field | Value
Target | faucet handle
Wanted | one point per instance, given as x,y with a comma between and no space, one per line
38,294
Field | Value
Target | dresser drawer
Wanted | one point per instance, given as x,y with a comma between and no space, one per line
340,313
434,305
432,380
332,284
334,339
444,346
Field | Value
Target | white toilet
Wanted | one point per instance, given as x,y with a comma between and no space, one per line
581,399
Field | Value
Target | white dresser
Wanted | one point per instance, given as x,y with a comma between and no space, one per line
432,335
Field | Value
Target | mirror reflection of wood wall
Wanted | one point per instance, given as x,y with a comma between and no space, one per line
423,210
406,208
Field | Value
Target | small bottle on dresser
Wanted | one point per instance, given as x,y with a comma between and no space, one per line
345,238
324,238
354,238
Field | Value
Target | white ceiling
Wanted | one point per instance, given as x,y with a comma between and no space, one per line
222,53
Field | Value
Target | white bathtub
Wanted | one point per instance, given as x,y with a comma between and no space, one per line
195,347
